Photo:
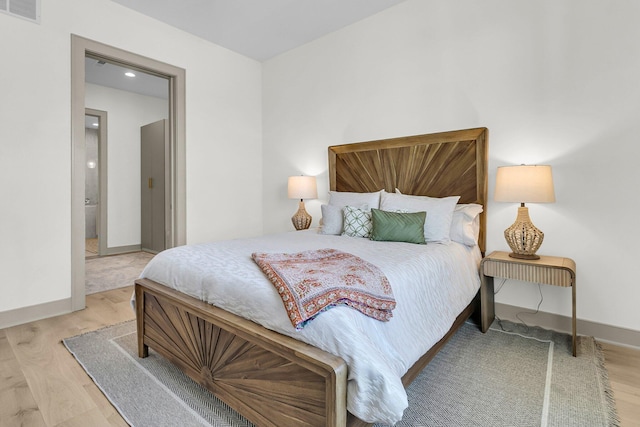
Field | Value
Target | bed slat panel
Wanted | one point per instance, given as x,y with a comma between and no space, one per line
436,165
268,389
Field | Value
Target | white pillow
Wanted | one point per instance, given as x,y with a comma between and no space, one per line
332,219
437,226
346,198
465,224
357,222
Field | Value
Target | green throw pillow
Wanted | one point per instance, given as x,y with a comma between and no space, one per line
397,226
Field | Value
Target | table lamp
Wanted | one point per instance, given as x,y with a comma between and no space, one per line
302,187
524,184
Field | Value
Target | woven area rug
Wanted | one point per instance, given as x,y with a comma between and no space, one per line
114,271
510,376
91,246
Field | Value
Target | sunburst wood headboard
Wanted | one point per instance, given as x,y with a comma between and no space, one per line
438,165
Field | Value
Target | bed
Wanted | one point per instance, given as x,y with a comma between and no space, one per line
274,379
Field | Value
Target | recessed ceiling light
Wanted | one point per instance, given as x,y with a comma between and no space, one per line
129,74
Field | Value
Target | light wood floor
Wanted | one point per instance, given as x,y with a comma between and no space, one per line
623,365
41,384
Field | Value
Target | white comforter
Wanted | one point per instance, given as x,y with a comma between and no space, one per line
432,284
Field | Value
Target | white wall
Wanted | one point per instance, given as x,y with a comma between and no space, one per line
555,81
223,127
126,113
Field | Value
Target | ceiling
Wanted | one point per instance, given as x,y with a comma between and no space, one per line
259,29
112,75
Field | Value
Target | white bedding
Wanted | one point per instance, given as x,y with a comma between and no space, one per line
431,283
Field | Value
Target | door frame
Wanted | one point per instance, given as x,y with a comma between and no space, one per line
176,235
103,199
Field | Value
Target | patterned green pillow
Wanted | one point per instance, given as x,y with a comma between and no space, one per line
357,222
397,226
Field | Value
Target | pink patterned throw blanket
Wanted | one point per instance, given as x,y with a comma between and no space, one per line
312,281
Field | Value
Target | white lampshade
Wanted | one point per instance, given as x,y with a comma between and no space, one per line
302,187
524,184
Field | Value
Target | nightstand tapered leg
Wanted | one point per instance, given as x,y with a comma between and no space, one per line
487,303
573,319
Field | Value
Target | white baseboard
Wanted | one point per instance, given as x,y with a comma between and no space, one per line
32,313
117,250
556,322
601,332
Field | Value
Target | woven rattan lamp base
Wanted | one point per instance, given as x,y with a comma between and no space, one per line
523,237
301,219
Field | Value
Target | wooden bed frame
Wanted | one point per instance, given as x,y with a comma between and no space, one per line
274,380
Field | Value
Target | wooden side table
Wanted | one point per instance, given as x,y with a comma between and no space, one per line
556,271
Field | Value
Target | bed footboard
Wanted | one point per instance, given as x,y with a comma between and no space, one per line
271,379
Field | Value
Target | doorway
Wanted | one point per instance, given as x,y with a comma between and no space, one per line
176,233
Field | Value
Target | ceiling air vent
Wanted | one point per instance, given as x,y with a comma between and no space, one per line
27,9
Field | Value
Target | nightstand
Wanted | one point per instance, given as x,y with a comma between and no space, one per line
550,270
